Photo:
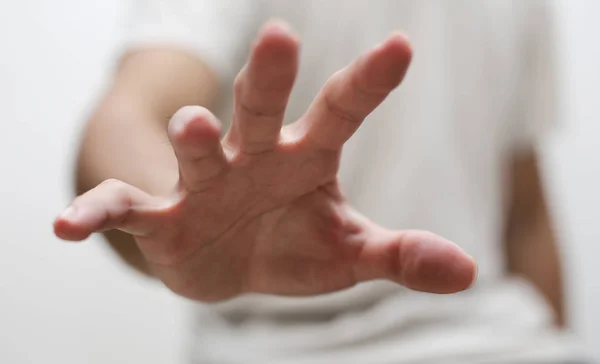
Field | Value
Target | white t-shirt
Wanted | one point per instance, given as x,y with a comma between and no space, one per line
433,156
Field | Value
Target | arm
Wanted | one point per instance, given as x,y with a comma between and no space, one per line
149,86
531,246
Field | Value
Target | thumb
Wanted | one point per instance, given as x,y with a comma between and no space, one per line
110,205
419,260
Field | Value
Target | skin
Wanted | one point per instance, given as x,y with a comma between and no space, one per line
530,242
260,209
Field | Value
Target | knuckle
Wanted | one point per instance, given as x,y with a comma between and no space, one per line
113,184
110,181
334,103
238,83
118,189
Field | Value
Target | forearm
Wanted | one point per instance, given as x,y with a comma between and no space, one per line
123,140
531,246
533,254
126,136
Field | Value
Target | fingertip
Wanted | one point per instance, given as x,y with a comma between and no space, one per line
276,24
194,122
433,264
277,41
400,40
68,230
277,28
475,276
396,43
385,66
77,223
461,273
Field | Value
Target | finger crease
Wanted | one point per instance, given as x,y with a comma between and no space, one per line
276,114
340,113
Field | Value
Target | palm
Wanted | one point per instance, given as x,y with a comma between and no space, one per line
261,210
310,246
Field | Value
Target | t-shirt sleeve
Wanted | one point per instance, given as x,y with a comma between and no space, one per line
217,31
539,106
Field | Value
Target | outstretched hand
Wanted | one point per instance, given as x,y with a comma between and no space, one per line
261,210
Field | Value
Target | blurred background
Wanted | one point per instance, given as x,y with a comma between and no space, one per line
75,303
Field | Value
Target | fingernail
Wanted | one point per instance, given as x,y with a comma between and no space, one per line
380,46
177,123
69,214
398,34
393,35
280,25
476,275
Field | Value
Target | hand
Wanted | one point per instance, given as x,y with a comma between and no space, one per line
261,210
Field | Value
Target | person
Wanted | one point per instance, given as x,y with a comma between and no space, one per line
278,234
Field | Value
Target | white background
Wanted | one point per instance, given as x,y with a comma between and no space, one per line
75,304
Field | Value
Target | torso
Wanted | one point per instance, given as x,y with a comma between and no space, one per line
431,157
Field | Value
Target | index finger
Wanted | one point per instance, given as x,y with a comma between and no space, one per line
352,93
